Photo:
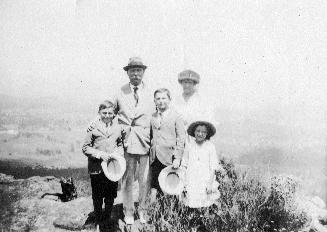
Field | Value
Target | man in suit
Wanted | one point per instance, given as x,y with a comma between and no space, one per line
135,106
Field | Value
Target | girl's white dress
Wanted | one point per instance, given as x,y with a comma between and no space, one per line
201,162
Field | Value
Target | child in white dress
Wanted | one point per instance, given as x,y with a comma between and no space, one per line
200,160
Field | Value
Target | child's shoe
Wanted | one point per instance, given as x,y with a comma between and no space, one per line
153,195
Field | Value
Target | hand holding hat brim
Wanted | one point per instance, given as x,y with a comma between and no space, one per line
171,180
114,168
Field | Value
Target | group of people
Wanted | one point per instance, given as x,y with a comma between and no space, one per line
152,138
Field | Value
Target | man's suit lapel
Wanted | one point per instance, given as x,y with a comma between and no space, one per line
128,99
143,101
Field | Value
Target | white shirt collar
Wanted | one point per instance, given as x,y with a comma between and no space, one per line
104,124
140,86
165,112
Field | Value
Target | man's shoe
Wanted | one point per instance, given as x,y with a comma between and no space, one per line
142,218
153,195
129,220
97,228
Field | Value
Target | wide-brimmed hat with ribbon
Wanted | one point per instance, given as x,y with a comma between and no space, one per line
210,126
114,168
171,180
135,62
189,75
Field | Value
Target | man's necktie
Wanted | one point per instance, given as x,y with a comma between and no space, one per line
136,96
159,119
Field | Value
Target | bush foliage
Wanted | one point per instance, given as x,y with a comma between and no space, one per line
246,204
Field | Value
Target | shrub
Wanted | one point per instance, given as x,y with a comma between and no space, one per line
246,204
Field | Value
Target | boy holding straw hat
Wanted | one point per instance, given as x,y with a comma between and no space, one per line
167,138
101,145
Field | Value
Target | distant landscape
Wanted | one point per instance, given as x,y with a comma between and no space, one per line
48,133
43,137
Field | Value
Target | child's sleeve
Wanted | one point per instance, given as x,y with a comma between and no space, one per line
180,138
91,126
87,147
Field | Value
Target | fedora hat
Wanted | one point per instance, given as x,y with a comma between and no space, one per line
189,75
114,168
171,180
135,62
210,126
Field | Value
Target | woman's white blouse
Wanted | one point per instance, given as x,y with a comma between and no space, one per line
191,110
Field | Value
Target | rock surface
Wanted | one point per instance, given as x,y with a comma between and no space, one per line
73,214
4,179
33,213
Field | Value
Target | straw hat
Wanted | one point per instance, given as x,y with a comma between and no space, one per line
135,62
210,126
114,168
189,75
171,180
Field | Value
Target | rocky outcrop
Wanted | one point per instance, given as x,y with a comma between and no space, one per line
33,213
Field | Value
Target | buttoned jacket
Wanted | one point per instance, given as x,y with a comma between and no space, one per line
167,137
135,118
100,137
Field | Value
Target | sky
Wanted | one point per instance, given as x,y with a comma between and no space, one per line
251,55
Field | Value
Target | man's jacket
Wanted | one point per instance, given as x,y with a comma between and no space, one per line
135,119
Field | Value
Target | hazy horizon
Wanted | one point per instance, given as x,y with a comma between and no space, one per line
258,56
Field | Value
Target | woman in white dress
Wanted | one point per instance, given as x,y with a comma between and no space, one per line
200,161
189,104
